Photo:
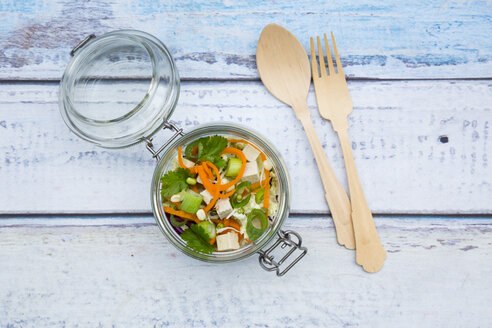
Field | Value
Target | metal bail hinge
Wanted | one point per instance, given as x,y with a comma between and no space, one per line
267,261
167,125
82,43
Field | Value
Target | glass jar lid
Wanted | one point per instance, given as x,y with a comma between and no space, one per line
118,88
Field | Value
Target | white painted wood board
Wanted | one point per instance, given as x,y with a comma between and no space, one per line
395,129
377,39
122,272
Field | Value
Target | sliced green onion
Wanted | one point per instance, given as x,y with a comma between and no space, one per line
239,199
207,230
255,216
191,201
260,194
233,167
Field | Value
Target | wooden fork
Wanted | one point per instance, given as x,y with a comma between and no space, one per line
334,104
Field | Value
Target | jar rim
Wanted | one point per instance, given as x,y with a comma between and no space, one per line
222,129
84,126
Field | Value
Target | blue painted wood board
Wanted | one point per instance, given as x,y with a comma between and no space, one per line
217,40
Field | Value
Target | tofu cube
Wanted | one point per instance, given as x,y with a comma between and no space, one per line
207,196
223,207
225,181
188,163
227,241
251,172
251,153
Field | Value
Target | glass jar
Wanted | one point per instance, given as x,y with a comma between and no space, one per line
121,88
118,88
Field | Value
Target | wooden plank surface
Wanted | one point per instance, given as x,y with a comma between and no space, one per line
377,39
123,272
420,146
398,129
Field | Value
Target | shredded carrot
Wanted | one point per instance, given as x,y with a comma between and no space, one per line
211,204
232,223
206,182
181,214
216,191
263,157
229,194
180,160
194,151
260,184
208,171
212,241
247,240
228,223
213,167
194,188
240,155
239,235
209,186
266,198
216,170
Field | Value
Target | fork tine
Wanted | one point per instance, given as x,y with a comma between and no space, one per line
331,69
339,64
314,64
322,66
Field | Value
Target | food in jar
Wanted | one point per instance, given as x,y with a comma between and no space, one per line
221,193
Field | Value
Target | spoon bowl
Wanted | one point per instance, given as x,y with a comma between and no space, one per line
278,50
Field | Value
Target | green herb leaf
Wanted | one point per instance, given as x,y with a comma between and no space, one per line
194,241
174,182
209,148
220,163
189,150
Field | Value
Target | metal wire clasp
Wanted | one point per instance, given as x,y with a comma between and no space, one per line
82,43
267,261
167,125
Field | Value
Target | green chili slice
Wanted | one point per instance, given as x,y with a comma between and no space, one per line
256,216
260,194
242,195
176,223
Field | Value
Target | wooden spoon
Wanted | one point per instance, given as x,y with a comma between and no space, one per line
285,71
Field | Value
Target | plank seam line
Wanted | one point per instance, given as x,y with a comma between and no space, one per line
353,79
292,215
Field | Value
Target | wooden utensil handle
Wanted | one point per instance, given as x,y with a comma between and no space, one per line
335,194
370,252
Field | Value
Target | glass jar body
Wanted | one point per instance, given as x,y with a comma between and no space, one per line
167,162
